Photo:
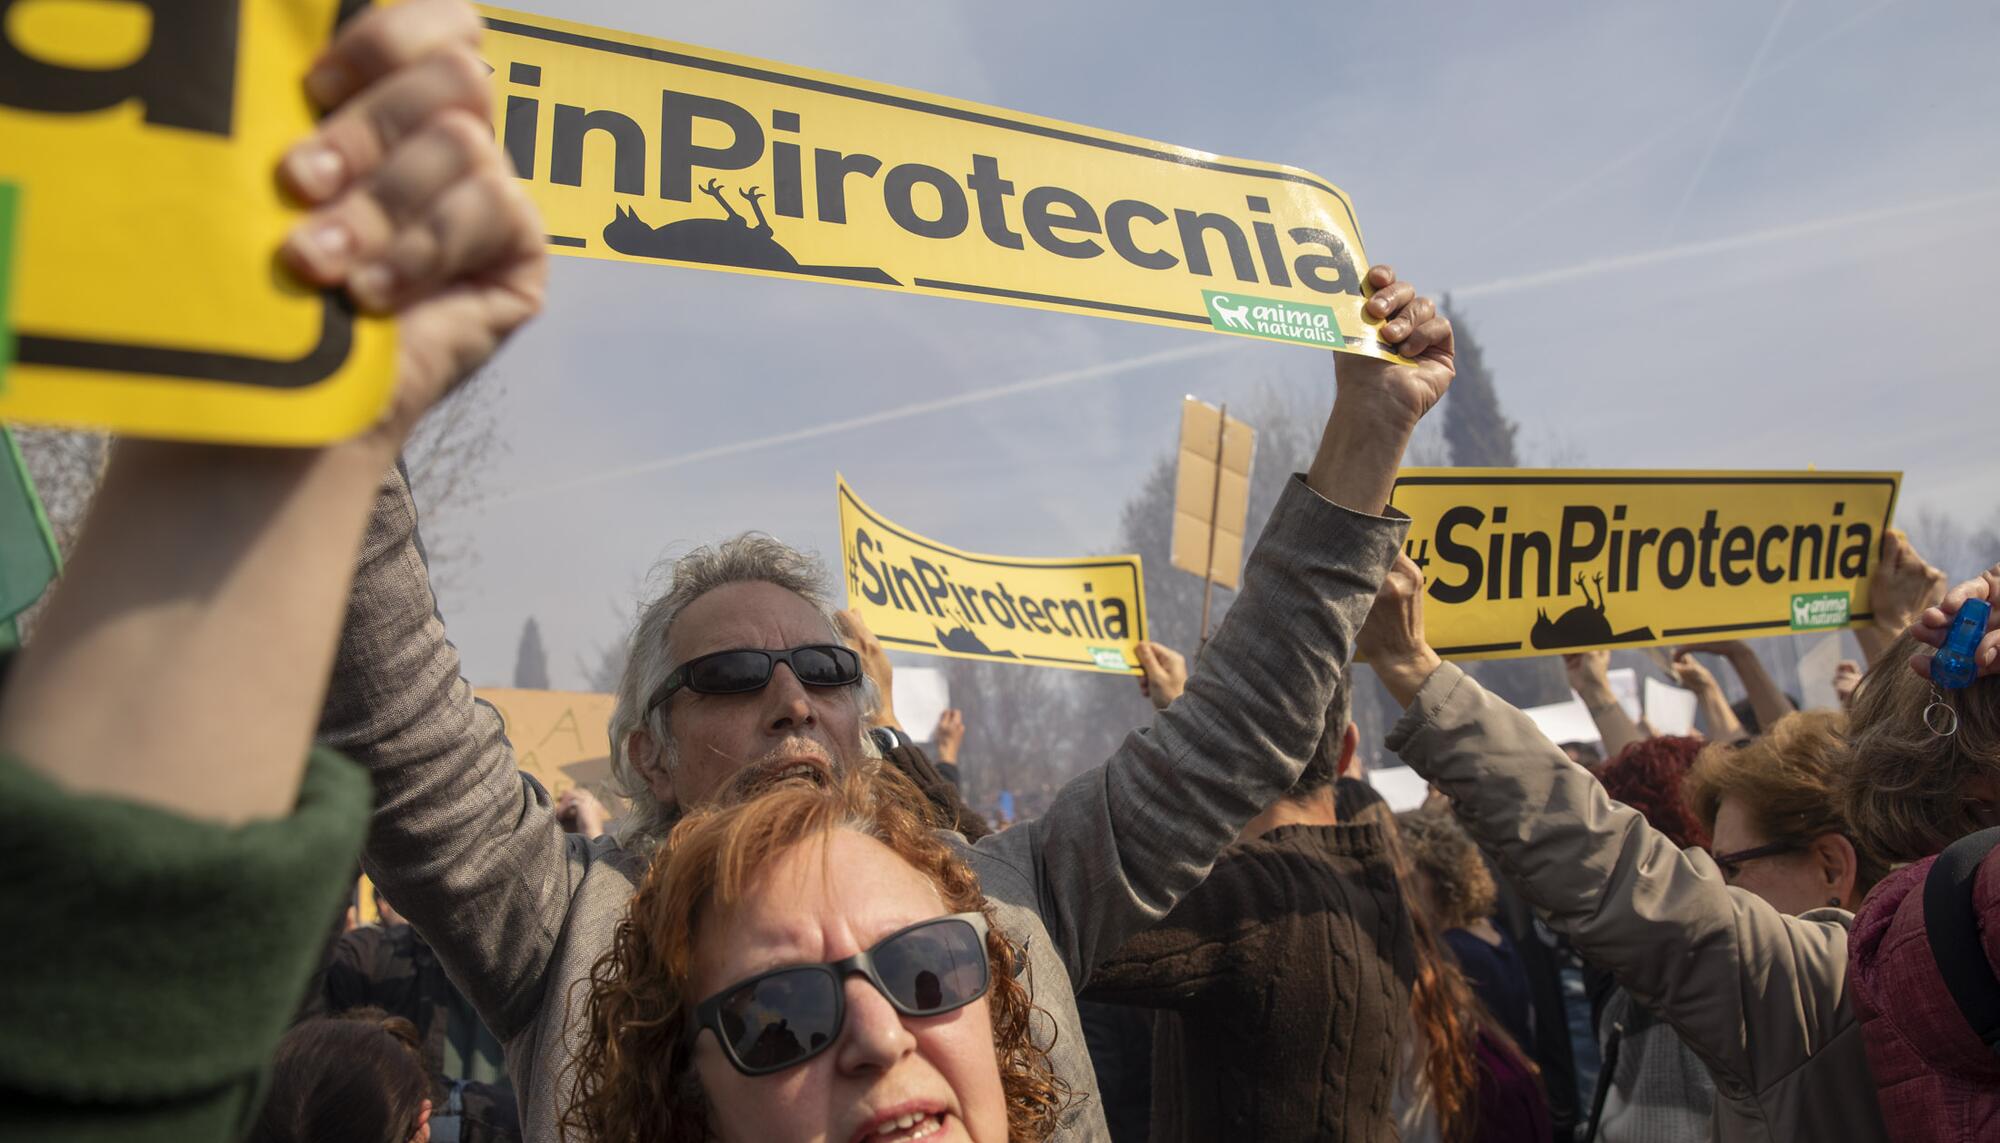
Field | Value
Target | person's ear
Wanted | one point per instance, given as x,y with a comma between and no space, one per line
423,1132
1350,758
643,751
1838,865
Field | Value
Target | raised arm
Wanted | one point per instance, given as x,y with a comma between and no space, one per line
1122,843
1900,588
1184,960
1718,718
204,601
469,850
1711,960
154,738
1767,702
1589,676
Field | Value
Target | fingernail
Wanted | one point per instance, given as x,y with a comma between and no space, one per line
327,83
372,284
316,170
325,245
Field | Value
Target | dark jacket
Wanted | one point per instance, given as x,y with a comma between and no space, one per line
1289,973
1939,1083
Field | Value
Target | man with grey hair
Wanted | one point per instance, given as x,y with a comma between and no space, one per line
739,666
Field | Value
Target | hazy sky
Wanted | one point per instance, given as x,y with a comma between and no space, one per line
1705,234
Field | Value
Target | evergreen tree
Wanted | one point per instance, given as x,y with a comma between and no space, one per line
1478,433
531,664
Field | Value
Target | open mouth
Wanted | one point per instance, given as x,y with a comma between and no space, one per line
915,1125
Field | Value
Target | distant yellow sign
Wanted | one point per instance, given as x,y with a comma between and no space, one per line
1084,614
644,150
1536,562
1212,493
138,148
561,737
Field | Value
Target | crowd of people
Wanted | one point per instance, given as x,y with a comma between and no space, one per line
789,925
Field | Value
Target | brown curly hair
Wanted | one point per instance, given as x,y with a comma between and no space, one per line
633,1076
1463,892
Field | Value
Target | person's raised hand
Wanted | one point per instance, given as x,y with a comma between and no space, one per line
1846,677
1902,585
1166,673
1392,638
1412,328
1934,623
578,811
1689,672
415,210
874,663
949,735
1588,671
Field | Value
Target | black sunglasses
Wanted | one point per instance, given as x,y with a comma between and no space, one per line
789,1015
734,672
1731,864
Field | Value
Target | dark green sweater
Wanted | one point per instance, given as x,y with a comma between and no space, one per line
150,962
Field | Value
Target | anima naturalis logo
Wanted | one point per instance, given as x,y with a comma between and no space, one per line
1270,317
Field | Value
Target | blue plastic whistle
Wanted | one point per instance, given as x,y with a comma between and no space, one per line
1954,668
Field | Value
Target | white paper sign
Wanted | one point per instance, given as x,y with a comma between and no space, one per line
1400,786
1565,722
1670,710
1816,674
921,694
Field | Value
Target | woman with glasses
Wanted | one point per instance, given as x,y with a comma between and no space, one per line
1760,995
811,963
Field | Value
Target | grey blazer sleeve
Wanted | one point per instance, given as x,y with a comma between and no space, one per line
1753,992
462,843
1123,842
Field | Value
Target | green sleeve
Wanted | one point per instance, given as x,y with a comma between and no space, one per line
151,962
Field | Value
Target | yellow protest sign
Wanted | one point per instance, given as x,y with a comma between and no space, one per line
558,736
644,150
139,144
1535,562
1084,614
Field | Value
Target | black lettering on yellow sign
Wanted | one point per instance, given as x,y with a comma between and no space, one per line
142,140
185,77
920,595
1525,562
643,149
1318,258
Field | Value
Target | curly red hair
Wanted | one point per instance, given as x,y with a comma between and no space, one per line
1647,776
633,1076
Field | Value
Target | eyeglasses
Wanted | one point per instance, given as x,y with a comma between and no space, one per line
789,1015
734,672
1731,864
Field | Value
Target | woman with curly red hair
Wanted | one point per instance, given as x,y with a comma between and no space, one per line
810,963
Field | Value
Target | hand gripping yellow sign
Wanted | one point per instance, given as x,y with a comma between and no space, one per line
1524,562
140,218
1084,614
643,150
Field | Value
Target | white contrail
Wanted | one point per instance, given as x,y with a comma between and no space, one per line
1728,117
1717,245
1578,186
881,417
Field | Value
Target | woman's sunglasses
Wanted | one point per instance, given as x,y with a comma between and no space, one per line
789,1015
734,672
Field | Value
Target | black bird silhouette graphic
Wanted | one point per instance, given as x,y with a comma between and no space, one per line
962,640
726,241
1581,626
